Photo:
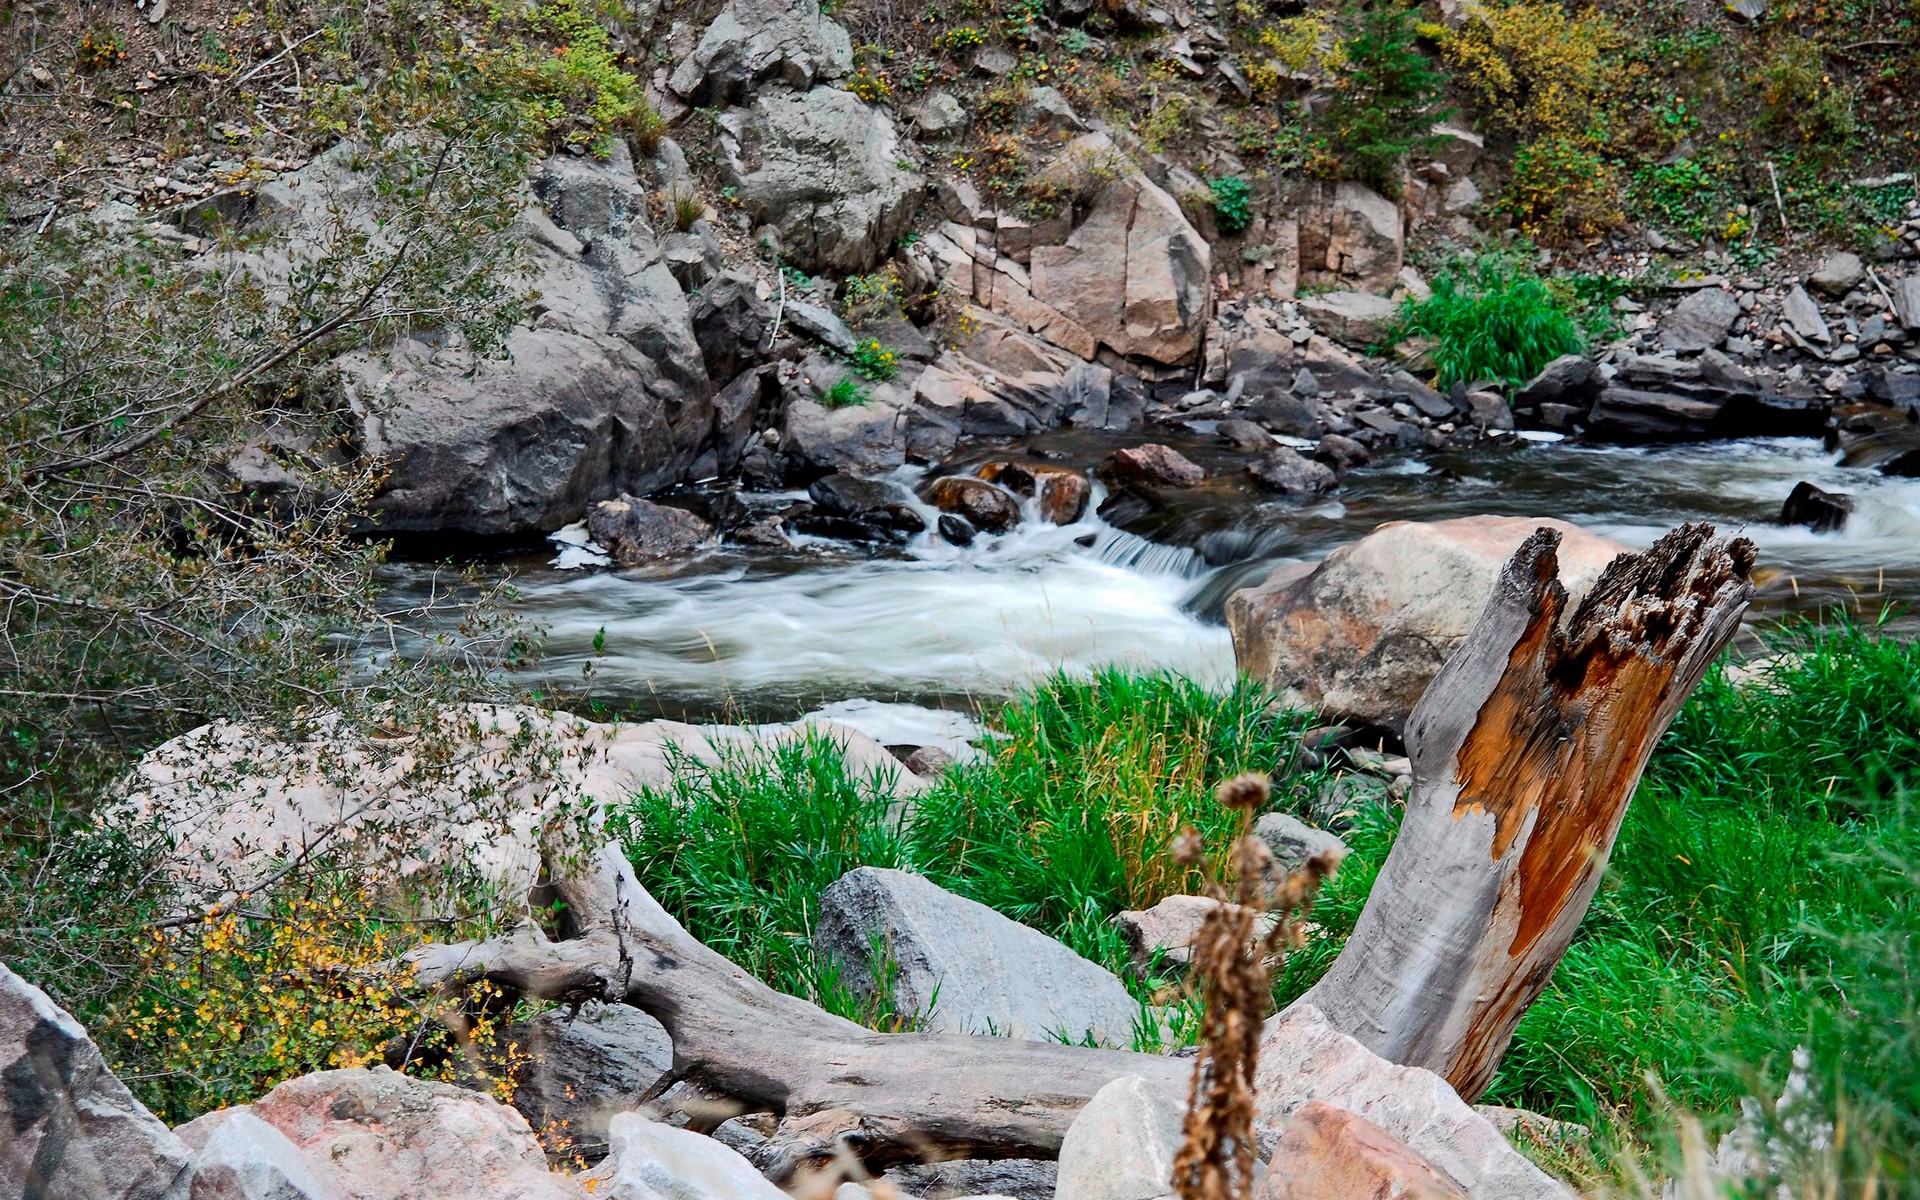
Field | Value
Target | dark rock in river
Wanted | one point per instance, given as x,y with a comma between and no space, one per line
1153,465
1286,470
1342,453
637,532
1816,508
875,507
1062,492
989,508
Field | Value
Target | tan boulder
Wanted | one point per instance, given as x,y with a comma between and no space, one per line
1350,236
1363,632
1328,1153
1135,275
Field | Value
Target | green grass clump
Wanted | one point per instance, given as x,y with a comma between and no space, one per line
1491,317
844,392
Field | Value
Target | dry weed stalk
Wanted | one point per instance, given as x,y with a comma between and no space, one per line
1233,962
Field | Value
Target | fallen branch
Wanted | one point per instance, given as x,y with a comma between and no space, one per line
888,1098
1525,749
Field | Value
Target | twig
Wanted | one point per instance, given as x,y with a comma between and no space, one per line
773,333
1779,205
1880,287
267,62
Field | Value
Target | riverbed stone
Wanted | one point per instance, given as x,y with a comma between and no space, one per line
638,532
1122,1145
1838,273
1571,379
72,1130
964,968
1803,317
1700,321
1283,469
985,506
1816,508
1341,453
1152,465
1363,633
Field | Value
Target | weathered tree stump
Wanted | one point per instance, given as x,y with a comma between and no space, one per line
1525,749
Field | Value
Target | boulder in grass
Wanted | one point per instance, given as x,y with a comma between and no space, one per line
69,1130
1170,927
1362,633
961,967
1293,841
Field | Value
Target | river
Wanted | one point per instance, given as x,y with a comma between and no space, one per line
899,643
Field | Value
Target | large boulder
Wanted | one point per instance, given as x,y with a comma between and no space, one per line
1362,633
71,1130
1350,236
237,1156
486,790
1122,1145
962,967
637,532
386,1136
757,42
652,1161
1134,274
821,167
604,391
1700,321
1303,1059
1356,318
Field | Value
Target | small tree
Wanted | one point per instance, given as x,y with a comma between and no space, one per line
1385,100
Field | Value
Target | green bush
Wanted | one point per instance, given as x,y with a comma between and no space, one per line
1385,100
873,360
1491,317
844,392
1232,203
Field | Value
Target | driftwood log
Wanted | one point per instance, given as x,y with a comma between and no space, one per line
1525,749
887,1098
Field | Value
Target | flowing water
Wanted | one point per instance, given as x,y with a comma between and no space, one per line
895,643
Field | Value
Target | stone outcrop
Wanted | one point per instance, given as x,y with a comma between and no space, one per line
754,43
822,168
1350,236
1363,632
1356,318
962,967
1135,275
71,1131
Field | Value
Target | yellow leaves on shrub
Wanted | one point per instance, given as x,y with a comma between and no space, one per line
1534,67
1307,45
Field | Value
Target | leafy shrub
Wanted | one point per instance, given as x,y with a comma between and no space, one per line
1491,317
874,361
1232,207
1800,97
581,75
1385,100
1561,190
844,392
100,47
869,85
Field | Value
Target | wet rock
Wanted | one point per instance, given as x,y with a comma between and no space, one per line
1328,1153
822,168
1122,1145
1293,841
980,1178
1838,273
1062,493
1169,928
1292,415
1350,235
1363,632
1700,321
963,967
237,1156
1489,410
1244,435
1803,317
985,506
1342,453
581,1068
1151,465
769,533
875,508
72,1130
1356,318
1286,470
1135,275
1629,414
1431,404
1303,1059
756,42
651,1160
957,529
1816,508
386,1136
637,532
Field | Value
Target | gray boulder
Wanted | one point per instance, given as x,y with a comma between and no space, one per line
1122,1145
823,169
866,439
636,532
1287,470
964,968
586,1067
1357,318
821,325
237,1156
937,114
756,42
1569,379
652,1161
1803,317
1700,321
1838,273
978,1179
1293,841
72,1130
1169,928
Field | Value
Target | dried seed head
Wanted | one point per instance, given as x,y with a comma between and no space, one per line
1187,847
1249,791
